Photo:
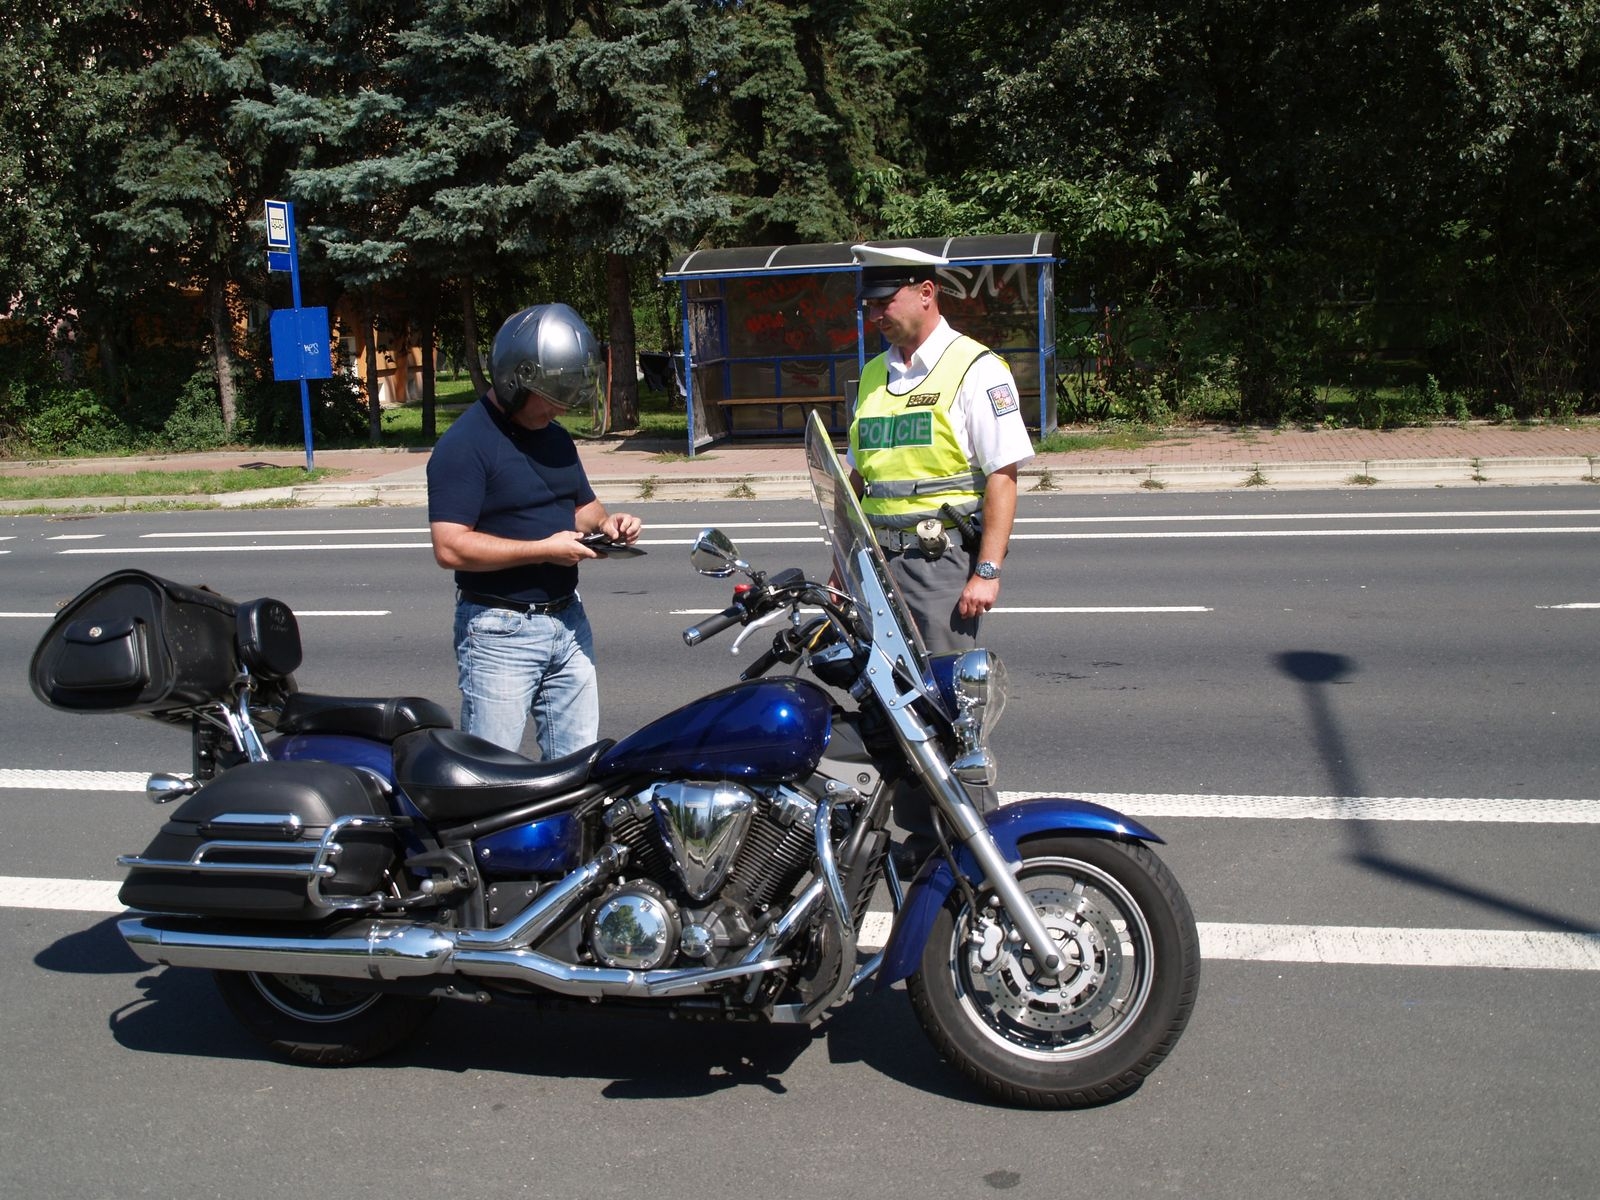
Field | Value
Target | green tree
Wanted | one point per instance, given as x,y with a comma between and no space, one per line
188,181
810,108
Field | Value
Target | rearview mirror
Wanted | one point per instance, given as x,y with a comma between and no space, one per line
714,554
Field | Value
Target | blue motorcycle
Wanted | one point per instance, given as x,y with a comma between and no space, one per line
343,864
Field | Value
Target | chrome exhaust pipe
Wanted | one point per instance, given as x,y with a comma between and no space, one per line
384,951
388,952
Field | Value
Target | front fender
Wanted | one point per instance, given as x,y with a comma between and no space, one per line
1010,826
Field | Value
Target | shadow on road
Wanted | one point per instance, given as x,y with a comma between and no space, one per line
1317,672
631,1056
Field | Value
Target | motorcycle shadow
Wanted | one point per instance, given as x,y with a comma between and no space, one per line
97,950
632,1056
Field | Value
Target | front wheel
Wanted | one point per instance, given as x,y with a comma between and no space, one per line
322,1021
1131,968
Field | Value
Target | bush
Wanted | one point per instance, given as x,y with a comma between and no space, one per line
195,422
75,421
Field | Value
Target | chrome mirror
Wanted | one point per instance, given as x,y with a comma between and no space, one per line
714,554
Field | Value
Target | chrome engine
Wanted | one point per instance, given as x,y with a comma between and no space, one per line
705,863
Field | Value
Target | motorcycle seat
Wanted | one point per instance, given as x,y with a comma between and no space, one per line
382,718
454,777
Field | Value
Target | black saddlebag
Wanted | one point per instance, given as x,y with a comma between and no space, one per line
270,840
132,642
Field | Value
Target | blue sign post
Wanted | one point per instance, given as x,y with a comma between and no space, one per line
300,348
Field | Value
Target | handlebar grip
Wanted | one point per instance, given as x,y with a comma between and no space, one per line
713,625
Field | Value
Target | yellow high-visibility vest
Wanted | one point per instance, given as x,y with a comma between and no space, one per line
905,447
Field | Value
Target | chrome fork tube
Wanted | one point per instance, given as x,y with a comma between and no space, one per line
970,830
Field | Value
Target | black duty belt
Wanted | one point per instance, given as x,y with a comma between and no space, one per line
548,608
897,541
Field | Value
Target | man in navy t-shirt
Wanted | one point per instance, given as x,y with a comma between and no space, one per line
508,505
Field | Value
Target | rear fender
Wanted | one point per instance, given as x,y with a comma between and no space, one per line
1010,826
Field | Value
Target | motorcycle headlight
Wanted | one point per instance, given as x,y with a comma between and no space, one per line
979,685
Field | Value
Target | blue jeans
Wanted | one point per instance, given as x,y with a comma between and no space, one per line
511,664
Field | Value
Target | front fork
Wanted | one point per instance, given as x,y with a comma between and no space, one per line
972,833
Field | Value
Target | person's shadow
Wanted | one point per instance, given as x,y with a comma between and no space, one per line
1318,672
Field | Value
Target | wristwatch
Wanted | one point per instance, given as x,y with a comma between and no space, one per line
987,570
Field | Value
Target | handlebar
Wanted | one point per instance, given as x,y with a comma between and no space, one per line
713,625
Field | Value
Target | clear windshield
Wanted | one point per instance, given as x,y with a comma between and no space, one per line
858,560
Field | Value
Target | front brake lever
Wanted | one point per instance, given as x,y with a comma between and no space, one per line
772,616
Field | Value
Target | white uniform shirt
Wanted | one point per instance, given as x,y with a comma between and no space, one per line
986,413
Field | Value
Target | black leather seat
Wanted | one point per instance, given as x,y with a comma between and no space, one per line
382,718
453,776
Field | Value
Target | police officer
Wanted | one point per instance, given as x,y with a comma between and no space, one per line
937,432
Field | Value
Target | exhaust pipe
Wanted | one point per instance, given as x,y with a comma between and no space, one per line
384,951
389,952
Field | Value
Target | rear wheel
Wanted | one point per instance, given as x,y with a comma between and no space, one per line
313,1020
1131,968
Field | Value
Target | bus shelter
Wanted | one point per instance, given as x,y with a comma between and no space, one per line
772,332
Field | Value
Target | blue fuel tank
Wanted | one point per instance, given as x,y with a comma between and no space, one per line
766,730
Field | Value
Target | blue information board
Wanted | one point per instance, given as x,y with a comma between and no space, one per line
300,347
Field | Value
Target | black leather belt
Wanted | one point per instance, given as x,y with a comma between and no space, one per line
522,606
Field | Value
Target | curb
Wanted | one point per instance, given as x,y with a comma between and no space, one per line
1114,478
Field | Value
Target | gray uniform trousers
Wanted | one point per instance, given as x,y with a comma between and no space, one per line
931,588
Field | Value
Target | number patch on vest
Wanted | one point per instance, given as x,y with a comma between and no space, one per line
886,433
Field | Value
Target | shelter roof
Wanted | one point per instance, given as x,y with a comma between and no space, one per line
835,256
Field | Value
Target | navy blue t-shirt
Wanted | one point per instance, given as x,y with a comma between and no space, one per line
497,477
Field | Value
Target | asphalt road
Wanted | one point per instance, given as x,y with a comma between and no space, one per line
1364,723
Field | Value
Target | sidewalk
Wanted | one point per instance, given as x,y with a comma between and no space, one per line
631,469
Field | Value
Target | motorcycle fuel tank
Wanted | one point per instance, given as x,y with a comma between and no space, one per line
765,729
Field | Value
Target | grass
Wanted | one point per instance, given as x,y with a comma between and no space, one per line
153,483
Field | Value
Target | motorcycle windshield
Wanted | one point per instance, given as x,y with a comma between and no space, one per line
860,564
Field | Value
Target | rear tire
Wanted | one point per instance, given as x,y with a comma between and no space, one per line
1132,971
322,1021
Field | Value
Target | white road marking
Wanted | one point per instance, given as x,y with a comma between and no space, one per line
235,533
1465,531
1551,606
299,612
1333,516
1078,611
1385,946
75,781
1495,949
62,895
249,549
74,537
343,612
1003,609
752,541
1487,810
1451,809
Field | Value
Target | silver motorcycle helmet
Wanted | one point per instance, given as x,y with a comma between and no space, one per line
546,349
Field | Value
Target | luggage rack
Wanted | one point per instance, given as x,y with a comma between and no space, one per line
321,856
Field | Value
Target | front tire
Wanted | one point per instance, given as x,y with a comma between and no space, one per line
1132,969
321,1021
